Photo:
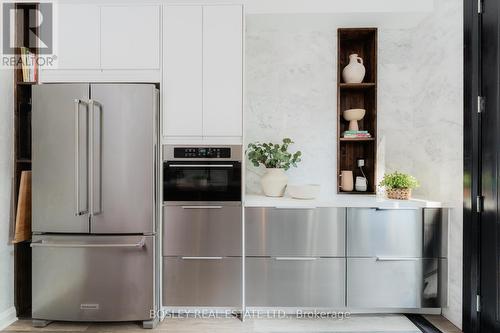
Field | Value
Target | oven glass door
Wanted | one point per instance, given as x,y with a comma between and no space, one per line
201,181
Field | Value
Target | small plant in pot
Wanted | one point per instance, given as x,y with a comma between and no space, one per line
277,159
398,185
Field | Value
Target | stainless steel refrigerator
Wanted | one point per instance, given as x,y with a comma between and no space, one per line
94,196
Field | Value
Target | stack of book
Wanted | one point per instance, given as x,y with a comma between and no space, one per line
356,134
29,65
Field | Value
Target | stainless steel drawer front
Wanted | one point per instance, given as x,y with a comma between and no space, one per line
295,232
86,278
435,233
396,283
202,230
384,232
202,281
295,282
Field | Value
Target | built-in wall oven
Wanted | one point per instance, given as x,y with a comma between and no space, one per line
203,174
202,226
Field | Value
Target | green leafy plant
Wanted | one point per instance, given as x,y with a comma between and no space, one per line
273,155
397,180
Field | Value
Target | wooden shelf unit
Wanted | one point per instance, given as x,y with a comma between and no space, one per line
22,162
362,41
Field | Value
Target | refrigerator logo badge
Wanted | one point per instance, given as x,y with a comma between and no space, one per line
89,306
27,35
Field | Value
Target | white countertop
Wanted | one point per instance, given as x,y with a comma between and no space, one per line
358,200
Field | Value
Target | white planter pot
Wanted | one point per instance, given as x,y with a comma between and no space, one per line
274,182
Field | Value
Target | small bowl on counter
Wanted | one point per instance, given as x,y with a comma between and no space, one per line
304,192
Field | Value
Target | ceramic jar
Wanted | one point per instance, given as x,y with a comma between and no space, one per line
355,71
346,181
274,182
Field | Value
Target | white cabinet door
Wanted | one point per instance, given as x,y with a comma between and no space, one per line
76,28
222,70
182,71
130,37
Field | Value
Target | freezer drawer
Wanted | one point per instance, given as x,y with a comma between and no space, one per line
87,278
295,232
202,230
202,281
375,232
396,283
295,282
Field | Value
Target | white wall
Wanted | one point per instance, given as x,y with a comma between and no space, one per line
291,92
7,311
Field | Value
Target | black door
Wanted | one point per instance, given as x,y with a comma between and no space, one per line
489,249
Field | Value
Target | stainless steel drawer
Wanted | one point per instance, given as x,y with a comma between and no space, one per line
295,232
396,283
204,281
384,232
93,278
194,230
295,282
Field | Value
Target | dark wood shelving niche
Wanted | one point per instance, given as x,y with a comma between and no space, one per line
362,41
22,160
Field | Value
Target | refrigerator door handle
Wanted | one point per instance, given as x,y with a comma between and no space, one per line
78,210
138,245
95,197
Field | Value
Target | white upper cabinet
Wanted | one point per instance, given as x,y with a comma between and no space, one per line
222,70
182,71
111,43
203,71
130,37
76,36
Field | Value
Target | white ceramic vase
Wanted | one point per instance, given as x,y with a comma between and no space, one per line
274,182
355,71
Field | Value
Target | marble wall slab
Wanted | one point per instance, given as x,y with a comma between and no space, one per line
291,92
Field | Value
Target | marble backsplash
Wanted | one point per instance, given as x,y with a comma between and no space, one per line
291,92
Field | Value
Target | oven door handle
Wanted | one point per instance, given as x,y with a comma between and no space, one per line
201,166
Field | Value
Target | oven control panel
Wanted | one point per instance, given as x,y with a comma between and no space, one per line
202,152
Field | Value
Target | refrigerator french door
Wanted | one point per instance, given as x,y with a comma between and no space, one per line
94,199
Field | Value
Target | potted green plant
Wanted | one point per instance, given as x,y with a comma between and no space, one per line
277,159
398,185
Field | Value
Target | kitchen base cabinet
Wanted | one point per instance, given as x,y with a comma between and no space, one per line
193,230
316,232
202,281
375,232
396,283
295,282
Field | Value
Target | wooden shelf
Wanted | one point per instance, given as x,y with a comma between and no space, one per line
357,85
356,139
22,158
361,41
356,192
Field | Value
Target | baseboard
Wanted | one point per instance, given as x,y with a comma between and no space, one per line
7,317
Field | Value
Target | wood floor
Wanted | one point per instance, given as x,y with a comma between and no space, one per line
357,323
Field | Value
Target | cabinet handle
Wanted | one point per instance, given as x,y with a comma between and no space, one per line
201,207
386,209
295,258
295,207
395,259
201,258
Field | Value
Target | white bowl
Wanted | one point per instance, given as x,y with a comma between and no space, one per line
306,191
